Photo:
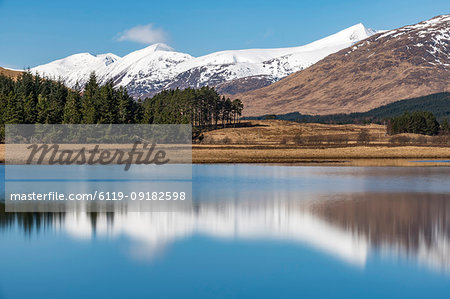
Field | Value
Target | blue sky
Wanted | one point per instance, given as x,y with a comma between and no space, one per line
37,32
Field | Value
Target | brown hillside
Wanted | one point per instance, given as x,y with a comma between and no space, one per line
403,63
9,73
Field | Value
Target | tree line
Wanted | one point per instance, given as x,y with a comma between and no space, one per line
438,104
31,99
418,122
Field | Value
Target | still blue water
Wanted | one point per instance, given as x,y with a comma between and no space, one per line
253,232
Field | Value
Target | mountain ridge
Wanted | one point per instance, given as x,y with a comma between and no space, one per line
149,70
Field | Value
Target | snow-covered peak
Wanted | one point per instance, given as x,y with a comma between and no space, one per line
152,50
76,68
156,50
158,66
157,62
347,37
159,47
357,32
337,41
79,59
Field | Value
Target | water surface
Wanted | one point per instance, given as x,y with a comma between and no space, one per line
253,231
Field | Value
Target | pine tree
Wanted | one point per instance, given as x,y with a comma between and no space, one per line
25,85
56,103
106,104
445,129
226,110
3,103
72,114
138,112
125,106
237,108
42,110
14,110
88,107
148,111
432,125
29,109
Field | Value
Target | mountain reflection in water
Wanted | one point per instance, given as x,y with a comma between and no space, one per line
346,226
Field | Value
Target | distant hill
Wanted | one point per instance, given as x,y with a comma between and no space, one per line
9,73
411,61
438,104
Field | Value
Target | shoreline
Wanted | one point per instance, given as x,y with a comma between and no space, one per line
412,156
375,155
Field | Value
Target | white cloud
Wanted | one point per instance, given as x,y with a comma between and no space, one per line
144,34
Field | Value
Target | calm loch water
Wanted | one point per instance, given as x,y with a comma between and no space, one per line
252,232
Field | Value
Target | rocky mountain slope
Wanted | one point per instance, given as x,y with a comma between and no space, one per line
157,67
408,62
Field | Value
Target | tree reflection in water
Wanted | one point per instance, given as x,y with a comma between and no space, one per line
347,226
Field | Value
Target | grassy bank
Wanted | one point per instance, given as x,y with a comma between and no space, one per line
344,156
283,142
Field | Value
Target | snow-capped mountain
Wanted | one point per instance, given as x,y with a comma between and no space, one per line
146,71
76,68
157,67
411,61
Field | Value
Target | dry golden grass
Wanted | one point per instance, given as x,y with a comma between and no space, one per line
273,132
348,156
263,142
273,141
276,132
